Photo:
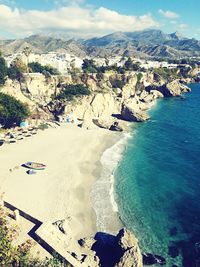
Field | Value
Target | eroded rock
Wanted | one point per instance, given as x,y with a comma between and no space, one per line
131,258
129,113
126,239
174,88
105,123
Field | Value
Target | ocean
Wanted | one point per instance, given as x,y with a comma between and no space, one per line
157,181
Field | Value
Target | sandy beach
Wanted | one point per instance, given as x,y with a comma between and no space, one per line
62,190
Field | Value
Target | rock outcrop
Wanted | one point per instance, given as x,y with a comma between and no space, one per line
126,239
105,123
129,88
113,251
13,88
133,113
132,256
156,94
106,104
174,88
110,123
101,105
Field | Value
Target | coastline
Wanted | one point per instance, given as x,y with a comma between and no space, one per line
103,193
178,259
62,191
75,159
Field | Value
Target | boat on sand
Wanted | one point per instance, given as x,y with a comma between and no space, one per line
34,165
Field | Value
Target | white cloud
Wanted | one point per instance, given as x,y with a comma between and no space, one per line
183,26
72,18
168,14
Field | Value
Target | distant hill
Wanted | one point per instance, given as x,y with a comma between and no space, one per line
148,43
42,44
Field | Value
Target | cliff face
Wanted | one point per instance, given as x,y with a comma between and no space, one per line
13,88
114,97
105,250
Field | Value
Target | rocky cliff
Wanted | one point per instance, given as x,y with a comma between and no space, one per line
113,251
115,99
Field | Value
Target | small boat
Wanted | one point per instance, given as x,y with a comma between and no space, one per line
35,166
31,171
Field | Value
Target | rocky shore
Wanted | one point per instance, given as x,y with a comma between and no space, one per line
107,107
107,250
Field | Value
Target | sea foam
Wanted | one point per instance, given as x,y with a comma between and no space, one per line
103,194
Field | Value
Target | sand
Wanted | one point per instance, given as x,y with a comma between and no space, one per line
62,190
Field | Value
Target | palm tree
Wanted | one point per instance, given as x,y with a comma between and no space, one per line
27,51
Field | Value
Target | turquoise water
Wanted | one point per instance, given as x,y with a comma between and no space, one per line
157,183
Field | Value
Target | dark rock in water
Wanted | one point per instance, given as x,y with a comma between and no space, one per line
150,259
173,231
174,266
173,251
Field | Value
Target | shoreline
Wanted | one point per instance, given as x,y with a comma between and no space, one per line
107,213
150,107
103,193
63,190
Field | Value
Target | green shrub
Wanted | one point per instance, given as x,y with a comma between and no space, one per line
3,71
37,67
71,91
139,77
43,126
89,66
169,74
117,83
12,111
19,256
121,70
20,65
14,73
7,251
128,65
99,76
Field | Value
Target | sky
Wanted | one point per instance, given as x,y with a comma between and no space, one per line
88,18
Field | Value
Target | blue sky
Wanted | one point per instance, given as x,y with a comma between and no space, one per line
86,18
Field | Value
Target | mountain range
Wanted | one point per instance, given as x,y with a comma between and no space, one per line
144,44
